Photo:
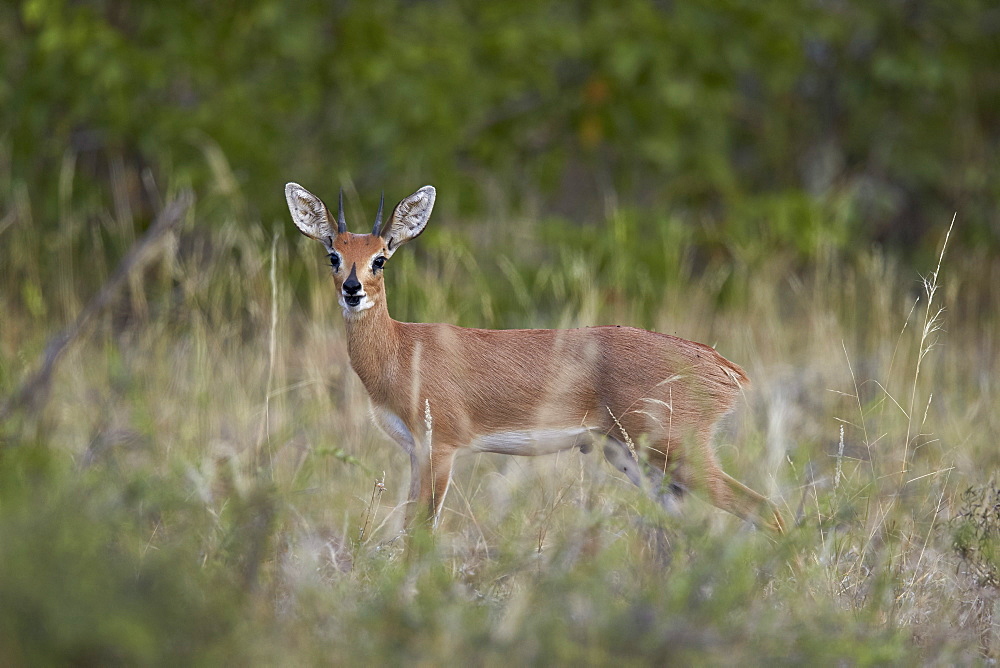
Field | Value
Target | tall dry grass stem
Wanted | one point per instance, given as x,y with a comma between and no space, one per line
932,324
628,439
429,438
264,436
840,460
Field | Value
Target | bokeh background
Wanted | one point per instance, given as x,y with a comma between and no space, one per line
842,122
195,481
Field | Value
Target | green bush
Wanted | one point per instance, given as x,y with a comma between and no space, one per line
880,116
99,568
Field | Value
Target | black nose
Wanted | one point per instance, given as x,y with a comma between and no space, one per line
352,285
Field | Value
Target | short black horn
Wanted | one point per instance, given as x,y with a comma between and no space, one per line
341,223
378,216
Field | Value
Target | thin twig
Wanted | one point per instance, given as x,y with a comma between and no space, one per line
372,510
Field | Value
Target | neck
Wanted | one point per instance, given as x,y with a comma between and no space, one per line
373,346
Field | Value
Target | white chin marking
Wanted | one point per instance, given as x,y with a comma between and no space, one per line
349,311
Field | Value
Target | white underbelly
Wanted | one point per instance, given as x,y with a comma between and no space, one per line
524,442
536,441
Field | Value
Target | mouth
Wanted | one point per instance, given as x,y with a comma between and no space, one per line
352,300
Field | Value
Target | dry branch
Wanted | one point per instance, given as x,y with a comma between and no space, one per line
34,391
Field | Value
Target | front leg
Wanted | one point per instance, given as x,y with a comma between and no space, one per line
430,477
396,429
430,469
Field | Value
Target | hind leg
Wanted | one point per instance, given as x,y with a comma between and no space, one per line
676,465
698,471
743,502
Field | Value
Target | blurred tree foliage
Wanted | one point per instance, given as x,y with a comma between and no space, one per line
843,120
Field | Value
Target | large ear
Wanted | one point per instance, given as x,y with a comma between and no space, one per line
408,219
308,213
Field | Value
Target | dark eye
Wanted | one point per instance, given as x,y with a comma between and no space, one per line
334,261
378,262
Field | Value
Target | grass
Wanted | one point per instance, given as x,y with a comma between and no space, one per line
204,483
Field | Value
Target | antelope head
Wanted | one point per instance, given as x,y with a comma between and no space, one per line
358,260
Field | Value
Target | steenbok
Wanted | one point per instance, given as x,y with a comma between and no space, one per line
650,401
